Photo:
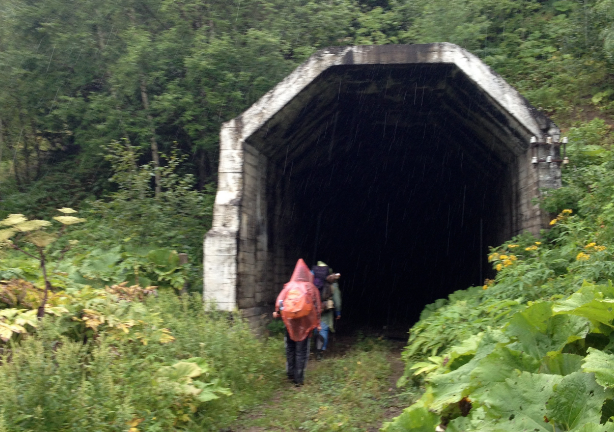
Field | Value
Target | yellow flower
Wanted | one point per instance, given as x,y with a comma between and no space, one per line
493,257
567,211
531,248
600,248
503,257
499,267
513,257
590,245
507,262
538,243
513,246
553,221
582,257
485,287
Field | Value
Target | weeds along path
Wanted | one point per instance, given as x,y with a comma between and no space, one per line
352,389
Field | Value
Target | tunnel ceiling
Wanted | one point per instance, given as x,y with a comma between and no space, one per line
396,99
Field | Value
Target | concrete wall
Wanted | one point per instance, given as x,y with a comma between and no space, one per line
254,263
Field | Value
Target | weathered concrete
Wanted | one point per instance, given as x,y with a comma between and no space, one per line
329,110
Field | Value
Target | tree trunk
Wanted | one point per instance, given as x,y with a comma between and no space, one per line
25,178
26,159
145,98
107,74
18,181
1,141
37,149
201,170
12,145
154,144
204,168
26,155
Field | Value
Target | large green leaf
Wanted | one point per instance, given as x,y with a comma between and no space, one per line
602,365
561,363
499,365
101,264
520,401
451,387
589,304
538,332
466,424
467,348
416,418
596,427
210,391
206,395
166,259
535,316
576,400
180,371
201,362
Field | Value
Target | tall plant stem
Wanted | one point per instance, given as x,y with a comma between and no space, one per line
1,141
41,308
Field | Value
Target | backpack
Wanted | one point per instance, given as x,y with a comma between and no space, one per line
326,293
298,302
320,273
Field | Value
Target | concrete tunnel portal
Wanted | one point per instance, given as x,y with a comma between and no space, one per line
397,165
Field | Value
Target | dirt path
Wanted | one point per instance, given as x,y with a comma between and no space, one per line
352,389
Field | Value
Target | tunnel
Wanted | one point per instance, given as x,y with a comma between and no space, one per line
396,165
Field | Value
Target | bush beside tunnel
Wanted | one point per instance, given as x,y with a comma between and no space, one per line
396,165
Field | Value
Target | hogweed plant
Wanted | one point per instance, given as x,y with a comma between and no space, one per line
33,238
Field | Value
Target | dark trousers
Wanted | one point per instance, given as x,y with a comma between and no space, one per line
297,354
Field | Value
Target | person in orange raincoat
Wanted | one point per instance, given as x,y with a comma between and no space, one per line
301,308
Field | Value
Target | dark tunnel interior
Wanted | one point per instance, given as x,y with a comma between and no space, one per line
398,179
403,229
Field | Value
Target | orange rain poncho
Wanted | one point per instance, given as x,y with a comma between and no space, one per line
299,328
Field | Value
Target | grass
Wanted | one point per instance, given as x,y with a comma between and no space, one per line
351,390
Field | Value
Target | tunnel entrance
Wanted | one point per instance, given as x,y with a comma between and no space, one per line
396,165
405,203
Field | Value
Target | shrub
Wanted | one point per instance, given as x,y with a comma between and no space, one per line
53,383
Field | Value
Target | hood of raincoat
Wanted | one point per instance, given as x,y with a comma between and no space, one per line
299,328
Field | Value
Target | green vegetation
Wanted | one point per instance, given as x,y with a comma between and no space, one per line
113,109
87,343
154,364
